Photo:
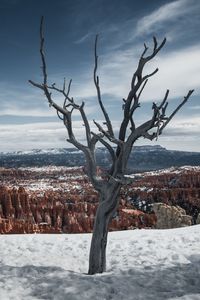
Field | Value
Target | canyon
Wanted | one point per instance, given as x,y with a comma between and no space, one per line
55,199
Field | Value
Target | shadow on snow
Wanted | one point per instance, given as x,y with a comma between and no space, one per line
153,282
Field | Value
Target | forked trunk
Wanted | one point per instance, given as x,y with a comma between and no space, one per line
104,214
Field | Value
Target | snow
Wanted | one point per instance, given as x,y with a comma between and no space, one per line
51,151
50,169
172,170
142,264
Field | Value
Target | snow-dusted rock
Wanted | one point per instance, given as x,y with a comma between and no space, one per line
170,216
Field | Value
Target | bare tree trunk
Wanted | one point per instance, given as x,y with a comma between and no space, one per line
104,214
108,189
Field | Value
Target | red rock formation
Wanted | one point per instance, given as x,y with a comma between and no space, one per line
23,213
68,203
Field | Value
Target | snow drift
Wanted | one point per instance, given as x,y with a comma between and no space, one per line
142,264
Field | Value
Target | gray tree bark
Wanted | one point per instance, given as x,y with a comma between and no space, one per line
105,211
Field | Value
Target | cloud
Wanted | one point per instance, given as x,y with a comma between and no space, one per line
166,13
53,134
195,107
176,20
22,101
188,124
31,136
83,38
180,134
41,135
14,110
179,71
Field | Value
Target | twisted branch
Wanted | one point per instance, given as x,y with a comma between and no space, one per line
125,141
138,84
96,82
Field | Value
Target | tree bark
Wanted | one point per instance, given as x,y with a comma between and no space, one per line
106,209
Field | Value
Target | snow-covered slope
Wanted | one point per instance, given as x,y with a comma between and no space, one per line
142,265
49,151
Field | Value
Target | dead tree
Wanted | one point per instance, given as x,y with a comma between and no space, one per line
119,146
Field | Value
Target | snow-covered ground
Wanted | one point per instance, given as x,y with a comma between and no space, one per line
142,265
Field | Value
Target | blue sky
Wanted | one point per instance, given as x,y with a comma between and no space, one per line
26,121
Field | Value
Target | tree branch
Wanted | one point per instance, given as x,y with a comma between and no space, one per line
137,85
96,82
185,99
42,52
99,137
125,141
111,138
67,114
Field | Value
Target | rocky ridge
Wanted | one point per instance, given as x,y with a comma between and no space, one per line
142,158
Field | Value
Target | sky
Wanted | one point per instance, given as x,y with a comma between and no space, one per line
26,120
